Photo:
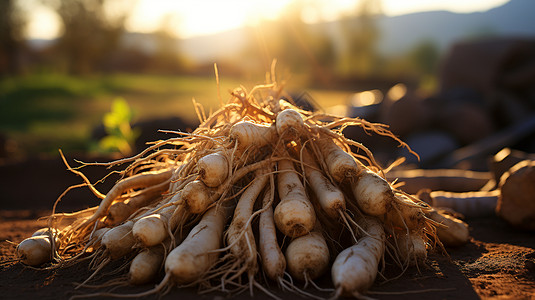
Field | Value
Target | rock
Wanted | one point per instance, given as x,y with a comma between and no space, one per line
516,204
466,122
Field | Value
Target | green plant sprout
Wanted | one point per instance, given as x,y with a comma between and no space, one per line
121,136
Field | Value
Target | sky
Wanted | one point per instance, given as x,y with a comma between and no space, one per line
192,18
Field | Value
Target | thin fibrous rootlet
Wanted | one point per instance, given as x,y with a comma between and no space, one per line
261,197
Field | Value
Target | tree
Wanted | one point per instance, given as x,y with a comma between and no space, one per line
12,24
425,57
360,34
166,58
91,32
293,43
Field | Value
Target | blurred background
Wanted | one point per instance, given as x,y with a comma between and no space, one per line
95,77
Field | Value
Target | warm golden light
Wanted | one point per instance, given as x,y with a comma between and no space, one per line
397,92
367,98
192,18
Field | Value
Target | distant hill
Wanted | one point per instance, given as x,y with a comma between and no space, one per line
398,34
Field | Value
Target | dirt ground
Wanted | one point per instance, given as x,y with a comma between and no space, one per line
498,263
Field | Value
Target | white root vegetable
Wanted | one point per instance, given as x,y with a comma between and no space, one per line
213,169
174,212
191,259
354,269
452,180
411,247
307,256
516,204
145,266
97,235
469,204
294,215
272,258
249,135
373,194
330,197
243,245
119,240
456,232
404,214
289,122
341,165
95,238
35,250
197,197
151,230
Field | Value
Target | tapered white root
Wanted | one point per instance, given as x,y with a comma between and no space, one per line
307,256
354,269
213,169
195,256
35,250
454,233
146,266
294,215
272,258
119,240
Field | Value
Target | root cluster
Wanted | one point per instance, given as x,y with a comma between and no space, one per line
261,194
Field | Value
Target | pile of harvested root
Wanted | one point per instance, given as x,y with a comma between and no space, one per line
260,192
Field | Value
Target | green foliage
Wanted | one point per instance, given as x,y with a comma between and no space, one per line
90,33
121,137
425,56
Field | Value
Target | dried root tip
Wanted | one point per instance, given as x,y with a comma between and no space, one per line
307,256
454,234
213,169
35,250
119,240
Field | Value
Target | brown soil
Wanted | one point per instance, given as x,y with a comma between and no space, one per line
499,262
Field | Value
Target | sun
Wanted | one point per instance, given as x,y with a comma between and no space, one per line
192,18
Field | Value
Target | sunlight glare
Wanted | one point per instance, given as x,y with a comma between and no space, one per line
367,98
397,92
201,17
193,18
